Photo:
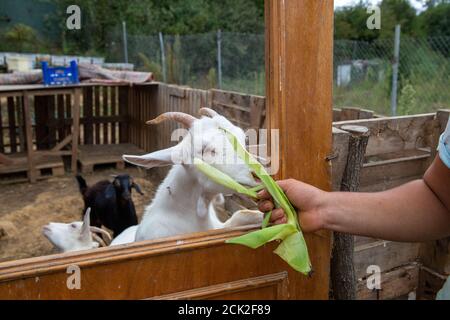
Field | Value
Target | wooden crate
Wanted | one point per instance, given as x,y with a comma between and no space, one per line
46,166
92,155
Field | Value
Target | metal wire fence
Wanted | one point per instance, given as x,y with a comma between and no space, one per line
363,72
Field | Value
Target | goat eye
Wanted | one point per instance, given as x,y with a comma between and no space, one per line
74,226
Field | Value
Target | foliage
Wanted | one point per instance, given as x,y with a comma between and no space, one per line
407,103
147,17
150,66
20,38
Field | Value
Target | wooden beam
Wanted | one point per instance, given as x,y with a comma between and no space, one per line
29,137
76,128
299,57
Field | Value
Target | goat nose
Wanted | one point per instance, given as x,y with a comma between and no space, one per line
46,229
126,196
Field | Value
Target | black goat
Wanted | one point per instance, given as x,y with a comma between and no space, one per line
110,202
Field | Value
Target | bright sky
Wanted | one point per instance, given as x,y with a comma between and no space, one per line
340,3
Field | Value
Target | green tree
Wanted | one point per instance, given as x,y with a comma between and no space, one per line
395,12
435,21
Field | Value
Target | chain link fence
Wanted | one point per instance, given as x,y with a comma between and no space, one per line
363,72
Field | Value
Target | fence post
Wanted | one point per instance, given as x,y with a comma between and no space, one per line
219,58
163,57
395,70
125,41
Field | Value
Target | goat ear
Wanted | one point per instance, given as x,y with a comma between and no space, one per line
110,192
85,228
138,188
156,159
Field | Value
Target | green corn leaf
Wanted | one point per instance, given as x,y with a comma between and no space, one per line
266,220
258,188
223,179
258,238
293,250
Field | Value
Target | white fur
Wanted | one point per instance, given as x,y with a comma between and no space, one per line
68,237
181,202
127,236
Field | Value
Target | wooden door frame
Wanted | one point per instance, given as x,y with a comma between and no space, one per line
299,46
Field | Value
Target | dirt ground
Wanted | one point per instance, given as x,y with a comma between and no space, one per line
25,208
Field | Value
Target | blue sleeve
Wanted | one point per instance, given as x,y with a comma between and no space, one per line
444,146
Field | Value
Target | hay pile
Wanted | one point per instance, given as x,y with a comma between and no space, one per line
27,207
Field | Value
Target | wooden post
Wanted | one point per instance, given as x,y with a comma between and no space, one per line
29,137
343,277
75,129
299,57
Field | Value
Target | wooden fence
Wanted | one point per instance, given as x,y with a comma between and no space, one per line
104,118
399,150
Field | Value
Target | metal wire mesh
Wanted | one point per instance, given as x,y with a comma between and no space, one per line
362,70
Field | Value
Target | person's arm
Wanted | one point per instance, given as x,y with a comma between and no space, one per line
417,211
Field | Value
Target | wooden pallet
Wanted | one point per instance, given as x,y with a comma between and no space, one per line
92,155
46,166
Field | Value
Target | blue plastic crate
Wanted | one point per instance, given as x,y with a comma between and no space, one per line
60,76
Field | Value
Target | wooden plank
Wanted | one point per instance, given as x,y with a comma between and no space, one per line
106,105
52,121
123,111
117,269
385,254
436,256
394,284
2,141
88,109
349,113
29,137
443,116
114,112
430,282
41,118
75,128
339,157
41,161
68,108
226,291
396,133
299,104
393,166
365,114
97,109
20,123
60,116
12,124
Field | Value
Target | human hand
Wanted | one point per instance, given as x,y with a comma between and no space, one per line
307,200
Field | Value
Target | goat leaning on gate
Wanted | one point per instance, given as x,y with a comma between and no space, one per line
182,202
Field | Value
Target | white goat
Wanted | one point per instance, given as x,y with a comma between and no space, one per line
181,203
75,236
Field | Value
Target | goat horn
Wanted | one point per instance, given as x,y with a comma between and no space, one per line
99,240
108,238
208,112
181,117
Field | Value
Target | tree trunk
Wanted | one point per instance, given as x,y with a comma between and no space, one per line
343,277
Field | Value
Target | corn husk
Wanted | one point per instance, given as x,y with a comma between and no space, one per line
293,248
